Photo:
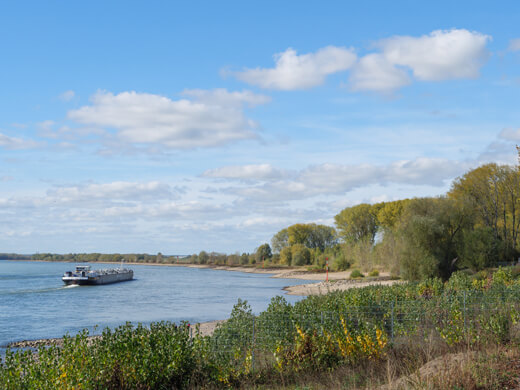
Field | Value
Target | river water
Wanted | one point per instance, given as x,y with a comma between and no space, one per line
35,304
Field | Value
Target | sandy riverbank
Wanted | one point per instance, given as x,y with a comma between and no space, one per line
338,281
337,285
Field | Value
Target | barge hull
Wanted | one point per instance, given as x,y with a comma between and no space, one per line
106,278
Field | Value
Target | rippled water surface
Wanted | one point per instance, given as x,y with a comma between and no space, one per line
35,304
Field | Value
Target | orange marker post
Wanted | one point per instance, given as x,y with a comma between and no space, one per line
327,262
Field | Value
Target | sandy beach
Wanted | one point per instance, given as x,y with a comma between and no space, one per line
337,285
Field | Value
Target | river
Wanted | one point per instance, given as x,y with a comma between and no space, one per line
35,304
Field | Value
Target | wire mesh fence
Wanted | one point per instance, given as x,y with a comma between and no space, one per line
465,316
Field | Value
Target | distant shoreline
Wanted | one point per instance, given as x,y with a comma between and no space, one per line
338,281
299,273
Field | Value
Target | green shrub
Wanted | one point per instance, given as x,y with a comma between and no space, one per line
356,274
374,273
340,263
316,268
503,276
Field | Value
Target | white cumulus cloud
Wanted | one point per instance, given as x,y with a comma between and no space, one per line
373,72
203,119
293,71
441,55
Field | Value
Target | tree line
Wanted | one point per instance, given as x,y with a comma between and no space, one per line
475,225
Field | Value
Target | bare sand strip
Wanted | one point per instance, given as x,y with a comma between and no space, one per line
338,285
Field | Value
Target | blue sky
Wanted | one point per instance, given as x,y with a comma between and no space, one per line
159,126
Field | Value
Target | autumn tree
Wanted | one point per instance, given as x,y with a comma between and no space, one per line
312,236
432,229
389,213
357,223
494,193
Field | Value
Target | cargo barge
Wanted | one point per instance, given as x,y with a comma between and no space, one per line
83,275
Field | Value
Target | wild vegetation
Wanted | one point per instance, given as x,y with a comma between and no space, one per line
375,333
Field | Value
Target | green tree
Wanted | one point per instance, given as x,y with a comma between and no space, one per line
203,257
263,253
286,256
244,258
280,240
299,233
300,255
311,235
494,192
357,223
389,213
479,248
432,229
321,237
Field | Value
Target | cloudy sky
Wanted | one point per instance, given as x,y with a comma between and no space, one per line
160,126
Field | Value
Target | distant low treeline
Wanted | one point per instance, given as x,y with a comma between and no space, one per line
97,257
14,256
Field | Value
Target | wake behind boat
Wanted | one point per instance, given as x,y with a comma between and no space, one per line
83,275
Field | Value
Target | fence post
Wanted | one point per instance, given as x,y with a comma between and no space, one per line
392,323
253,348
321,323
464,297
